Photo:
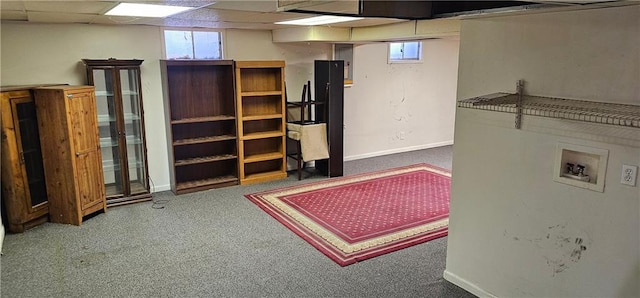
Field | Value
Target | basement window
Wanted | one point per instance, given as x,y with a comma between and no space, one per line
405,52
189,44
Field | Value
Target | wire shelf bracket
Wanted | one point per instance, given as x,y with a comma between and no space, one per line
626,115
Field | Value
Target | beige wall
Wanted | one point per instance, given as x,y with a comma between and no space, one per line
47,53
390,108
514,232
591,54
51,53
395,108
255,45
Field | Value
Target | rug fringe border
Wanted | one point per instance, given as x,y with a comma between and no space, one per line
341,257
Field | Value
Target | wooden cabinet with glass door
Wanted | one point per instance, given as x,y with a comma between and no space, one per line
121,127
24,194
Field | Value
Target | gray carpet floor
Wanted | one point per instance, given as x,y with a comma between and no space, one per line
213,243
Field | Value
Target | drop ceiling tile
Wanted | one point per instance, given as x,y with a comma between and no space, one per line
176,22
222,15
247,5
166,22
254,26
368,22
180,22
74,7
202,14
56,17
288,4
343,6
13,15
189,3
11,5
280,16
206,14
123,20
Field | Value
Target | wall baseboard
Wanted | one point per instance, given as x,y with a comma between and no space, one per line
159,188
1,237
466,285
398,150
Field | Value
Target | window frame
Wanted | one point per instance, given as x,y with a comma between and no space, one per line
405,60
221,32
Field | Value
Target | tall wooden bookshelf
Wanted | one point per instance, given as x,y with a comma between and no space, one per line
261,120
201,123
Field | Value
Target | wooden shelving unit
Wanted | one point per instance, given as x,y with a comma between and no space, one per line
201,123
261,120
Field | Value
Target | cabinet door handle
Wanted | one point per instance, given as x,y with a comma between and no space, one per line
77,154
69,96
22,157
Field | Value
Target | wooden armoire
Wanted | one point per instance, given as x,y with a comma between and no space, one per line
72,160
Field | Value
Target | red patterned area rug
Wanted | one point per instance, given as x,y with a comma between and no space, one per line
355,218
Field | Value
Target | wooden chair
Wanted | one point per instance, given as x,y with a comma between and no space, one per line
308,134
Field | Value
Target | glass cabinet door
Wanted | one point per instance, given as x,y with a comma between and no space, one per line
121,123
103,80
133,132
30,151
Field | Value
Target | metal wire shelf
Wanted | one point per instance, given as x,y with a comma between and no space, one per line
570,109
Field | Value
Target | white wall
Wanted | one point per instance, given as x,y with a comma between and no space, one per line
48,53
51,53
591,54
257,45
390,108
514,232
400,107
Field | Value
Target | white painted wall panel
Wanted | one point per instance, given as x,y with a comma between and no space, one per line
589,54
514,232
52,53
299,57
400,107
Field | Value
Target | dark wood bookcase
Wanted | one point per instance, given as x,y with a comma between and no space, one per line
201,123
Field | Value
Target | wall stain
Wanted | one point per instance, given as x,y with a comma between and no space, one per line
561,248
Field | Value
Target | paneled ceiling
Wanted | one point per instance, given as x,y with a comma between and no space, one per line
247,14
243,14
